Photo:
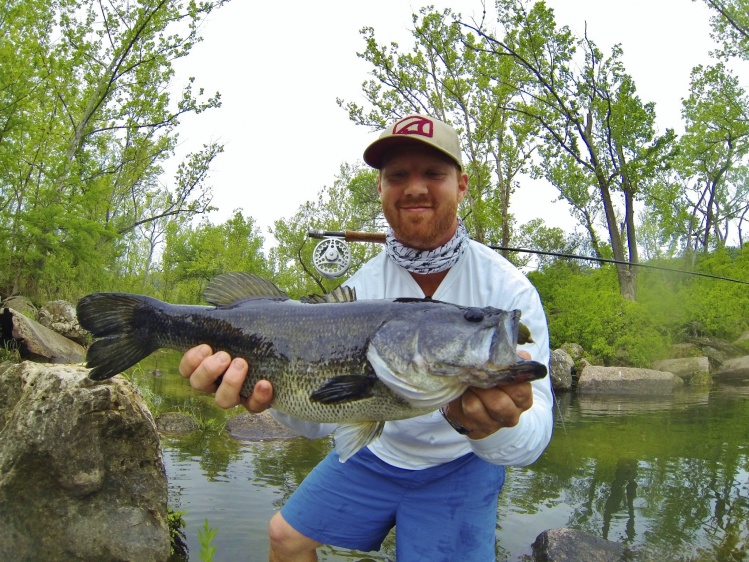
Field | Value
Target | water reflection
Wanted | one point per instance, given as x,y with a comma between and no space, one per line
668,477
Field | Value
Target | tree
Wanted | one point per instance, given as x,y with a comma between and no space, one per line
86,120
195,255
550,240
713,155
448,76
599,144
351,203
730,24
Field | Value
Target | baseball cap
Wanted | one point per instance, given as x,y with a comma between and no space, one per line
428,130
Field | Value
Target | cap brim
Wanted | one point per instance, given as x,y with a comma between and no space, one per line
375,152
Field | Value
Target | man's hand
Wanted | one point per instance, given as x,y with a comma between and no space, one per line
203,367
484,411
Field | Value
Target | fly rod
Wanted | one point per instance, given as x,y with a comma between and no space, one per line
334,242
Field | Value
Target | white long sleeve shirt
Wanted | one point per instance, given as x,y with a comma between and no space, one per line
480,278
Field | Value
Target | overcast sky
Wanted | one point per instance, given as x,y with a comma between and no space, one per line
280,67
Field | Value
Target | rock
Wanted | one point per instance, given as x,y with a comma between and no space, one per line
694,371
175,422
743,339
22,305
82,473
568,545
560,369
60,317
681,350
717,351
626,380
734,370
36,342
258,427
575,350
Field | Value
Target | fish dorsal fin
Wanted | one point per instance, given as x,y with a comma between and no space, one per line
344,293
229,288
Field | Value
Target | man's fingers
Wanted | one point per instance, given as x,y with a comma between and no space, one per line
227,394
261,397
192,359
204,376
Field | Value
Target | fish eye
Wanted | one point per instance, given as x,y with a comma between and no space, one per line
473,314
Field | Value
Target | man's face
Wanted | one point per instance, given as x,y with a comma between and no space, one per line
420,191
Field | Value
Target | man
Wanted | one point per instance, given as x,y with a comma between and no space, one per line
435,477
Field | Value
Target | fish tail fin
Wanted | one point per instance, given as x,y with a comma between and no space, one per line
350,438
124,338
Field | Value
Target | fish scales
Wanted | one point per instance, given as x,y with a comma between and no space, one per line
329,358
295,346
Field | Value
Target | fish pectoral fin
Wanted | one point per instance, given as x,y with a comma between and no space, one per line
344,388
350,438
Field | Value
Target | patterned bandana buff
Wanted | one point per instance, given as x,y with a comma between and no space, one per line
428,261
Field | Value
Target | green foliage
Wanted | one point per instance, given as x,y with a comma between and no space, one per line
176,533
351,203
730,23
450,74
195,255
206,535
586,308
86,122
583,306
9,352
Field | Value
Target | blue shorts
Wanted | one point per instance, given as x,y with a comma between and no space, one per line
447,512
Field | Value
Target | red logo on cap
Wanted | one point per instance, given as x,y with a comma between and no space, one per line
414,125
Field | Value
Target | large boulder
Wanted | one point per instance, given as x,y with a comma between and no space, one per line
37,342
82,473
694,371
717,351
626,380
734,370
575,350
22,304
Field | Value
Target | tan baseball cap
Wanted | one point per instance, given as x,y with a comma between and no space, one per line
428,130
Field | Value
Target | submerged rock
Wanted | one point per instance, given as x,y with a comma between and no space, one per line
82,473
258,427
568,545
176,422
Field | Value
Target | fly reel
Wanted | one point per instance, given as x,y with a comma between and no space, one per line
331,257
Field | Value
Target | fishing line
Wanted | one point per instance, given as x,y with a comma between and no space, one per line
337,265
620,262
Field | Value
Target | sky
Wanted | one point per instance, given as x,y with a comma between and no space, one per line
281,66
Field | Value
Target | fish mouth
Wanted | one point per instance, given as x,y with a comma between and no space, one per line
504,341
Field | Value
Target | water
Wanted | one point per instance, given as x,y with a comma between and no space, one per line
669,476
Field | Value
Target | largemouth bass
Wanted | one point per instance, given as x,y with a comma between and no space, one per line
332,358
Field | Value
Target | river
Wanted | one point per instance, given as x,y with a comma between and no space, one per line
668,476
